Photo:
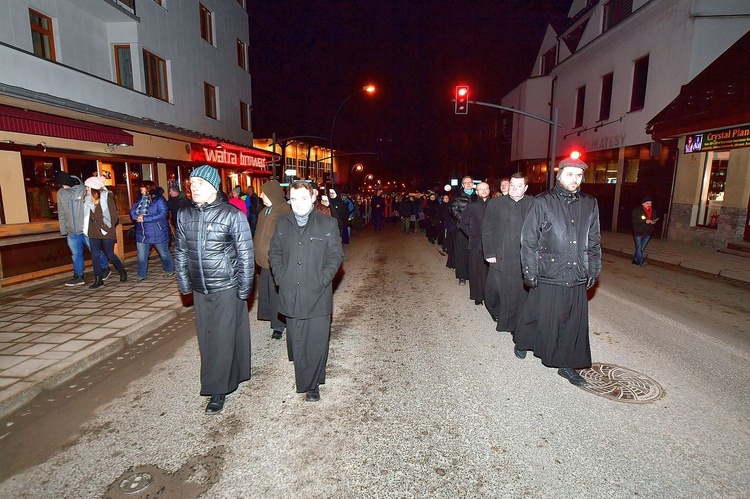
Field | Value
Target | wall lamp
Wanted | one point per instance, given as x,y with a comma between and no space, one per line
594,128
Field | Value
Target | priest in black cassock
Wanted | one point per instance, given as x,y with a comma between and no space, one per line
470,224
505,293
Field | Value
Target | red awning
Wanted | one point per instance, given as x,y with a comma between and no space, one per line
13,119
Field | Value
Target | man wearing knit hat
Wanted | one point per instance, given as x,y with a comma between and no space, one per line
561,259
644,218
214,261
71,215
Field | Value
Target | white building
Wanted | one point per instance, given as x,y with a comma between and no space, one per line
609,70
129,89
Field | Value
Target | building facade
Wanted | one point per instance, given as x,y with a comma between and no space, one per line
611,68
131,90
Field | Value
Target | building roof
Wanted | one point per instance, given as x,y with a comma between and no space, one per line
718,97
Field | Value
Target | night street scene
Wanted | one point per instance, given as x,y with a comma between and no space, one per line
374,249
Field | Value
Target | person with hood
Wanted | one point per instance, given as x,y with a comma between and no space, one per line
151,228
305,255
100,221
214,261
272,196
70,213
340,212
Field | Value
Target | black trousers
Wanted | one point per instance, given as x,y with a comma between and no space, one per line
477,274
307,346
108,247
461,254
268,301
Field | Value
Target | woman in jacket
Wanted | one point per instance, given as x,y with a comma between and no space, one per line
151,228
100,220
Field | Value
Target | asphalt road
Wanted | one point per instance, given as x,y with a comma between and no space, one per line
423,399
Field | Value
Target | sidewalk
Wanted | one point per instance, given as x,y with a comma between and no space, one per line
50,332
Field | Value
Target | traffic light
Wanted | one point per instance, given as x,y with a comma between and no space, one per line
462,99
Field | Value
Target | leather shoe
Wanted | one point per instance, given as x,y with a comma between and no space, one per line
571,375
462,282
276,335
494,317
215,404
478,302
521,354
312,395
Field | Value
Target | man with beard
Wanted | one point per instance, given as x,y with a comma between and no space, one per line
471,225
305,255
505,294
460,241
561,258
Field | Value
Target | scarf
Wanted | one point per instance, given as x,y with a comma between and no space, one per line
302,219
89,204
143,205
648,212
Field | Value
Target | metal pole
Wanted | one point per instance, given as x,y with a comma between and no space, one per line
553,152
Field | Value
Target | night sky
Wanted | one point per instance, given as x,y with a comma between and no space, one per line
307,57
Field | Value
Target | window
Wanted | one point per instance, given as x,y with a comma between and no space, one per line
640,78
241,54
712,190
41,191
155,70
209,97
574,36
242,3
580,100
207,30
158,1
548,61
244,116
615,11
123,66
42,38
606,102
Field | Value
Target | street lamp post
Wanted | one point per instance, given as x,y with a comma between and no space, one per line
369,89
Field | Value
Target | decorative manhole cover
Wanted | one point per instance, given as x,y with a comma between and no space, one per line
617,383
135,482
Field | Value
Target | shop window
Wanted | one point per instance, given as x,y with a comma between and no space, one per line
606,101
631,170
42,37
41,191
207,29
139,172
244,116
640,79
209,99
712,190
115,179
580,102
155,71
123,66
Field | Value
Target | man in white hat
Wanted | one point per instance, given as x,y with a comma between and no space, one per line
561,258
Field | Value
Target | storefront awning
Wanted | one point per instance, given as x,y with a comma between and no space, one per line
13,119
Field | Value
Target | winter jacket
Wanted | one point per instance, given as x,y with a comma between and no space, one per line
214,249
339,210
640,227
70,209
267,221
459,202
560,238
154,228
175,204
471,222
97,228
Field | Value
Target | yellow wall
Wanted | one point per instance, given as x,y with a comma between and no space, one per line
738,179
12,187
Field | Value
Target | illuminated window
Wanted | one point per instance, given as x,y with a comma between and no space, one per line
42,38
241,54
209,97
712,189
124,66
606,102
244,116
155,71
580,101
640,78
207,30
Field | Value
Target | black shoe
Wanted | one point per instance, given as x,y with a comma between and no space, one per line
494,317
644,263
98,283
312,395
124,276
76,281
521,354
478,302
106,273
277,335
571,375
634,262
215,404
462,281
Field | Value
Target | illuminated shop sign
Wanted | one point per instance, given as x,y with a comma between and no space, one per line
728,138
235,157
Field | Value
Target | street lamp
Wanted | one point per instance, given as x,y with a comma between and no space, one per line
367,88
359,167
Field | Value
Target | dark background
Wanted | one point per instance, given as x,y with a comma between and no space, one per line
307,57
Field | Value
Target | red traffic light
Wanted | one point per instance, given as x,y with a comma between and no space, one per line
462,99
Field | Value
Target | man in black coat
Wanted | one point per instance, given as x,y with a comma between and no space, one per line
378,206
505,294
460,241
305,255
562,258
471,225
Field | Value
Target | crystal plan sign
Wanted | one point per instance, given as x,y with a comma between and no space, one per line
727,138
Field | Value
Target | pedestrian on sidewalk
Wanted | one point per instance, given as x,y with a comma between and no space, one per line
466,195
101,218
562,258
305,254
644,218
272,196
151,228
471,225
214,262
70,213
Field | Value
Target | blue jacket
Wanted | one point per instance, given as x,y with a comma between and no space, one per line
154,228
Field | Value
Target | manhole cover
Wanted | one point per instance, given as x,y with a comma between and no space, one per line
135,482
617,383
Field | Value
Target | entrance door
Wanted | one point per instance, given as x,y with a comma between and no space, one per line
747,222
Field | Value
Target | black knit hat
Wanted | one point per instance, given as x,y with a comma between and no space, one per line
63,178
647,199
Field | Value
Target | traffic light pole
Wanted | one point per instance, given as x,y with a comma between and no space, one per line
553,122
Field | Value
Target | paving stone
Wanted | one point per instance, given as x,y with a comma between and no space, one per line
8,361
15,347
72,346
10,337
98,333
17,326
39,328
56,338
36,349
27,367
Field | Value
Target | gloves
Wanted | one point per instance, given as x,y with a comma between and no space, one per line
590,282
530,282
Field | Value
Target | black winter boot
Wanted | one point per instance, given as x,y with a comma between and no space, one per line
98,282
123,275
